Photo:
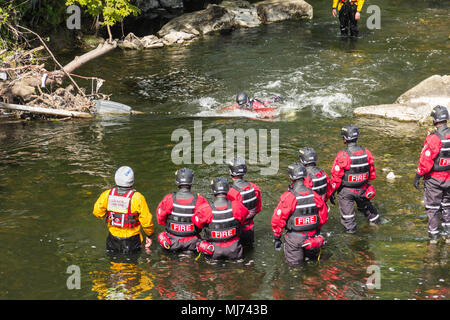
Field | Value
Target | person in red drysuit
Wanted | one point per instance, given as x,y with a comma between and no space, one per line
244,102
302,212
220,221
434,167
316,179
248,194
352,169
175,212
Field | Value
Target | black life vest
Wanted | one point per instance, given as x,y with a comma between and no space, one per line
119,210
306,214
249,199
319,185
442,160
358,174
179,221
223,226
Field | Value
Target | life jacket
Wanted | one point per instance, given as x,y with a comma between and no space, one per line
223,226
249,199
319,184
306,214
358,174
119,210
179,221
442,160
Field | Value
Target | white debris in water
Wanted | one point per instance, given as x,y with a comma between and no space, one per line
391,176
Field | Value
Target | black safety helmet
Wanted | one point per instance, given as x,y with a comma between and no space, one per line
220,186
439,114
350,132
242,99
296,171
184,176
307,155
237,167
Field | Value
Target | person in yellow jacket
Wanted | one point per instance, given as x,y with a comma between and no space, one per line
349,14
126,211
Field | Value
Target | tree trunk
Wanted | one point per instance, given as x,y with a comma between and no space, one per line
88,56
49,111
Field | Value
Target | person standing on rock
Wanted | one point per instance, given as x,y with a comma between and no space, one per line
302,212
349,14
352,170
175,212
434,167
126,211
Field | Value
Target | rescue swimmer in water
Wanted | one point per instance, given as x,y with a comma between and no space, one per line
263,109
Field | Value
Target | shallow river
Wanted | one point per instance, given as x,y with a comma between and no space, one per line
51,173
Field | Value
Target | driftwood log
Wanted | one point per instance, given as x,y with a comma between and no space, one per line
46,111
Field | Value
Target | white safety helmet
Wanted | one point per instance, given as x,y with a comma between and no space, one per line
124,177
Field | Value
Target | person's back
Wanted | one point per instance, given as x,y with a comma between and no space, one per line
175,212
126,211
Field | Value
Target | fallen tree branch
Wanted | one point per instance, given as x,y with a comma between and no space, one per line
54,59
88,56
48,111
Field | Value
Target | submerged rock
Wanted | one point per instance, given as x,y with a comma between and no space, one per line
415,104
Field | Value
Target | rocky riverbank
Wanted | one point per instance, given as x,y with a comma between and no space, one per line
223,17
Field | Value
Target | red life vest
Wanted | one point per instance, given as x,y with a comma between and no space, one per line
249,199
119,210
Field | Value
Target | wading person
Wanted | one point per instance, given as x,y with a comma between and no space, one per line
221,221
302,212
316,178
352,169
434,167
126,211
349,14
175,212
248,194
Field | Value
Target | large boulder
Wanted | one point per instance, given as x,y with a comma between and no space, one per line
415,104
213,18
279,10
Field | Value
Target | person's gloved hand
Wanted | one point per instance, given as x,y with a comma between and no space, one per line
205,247
277,243
164,240
333,198
417,180
314,243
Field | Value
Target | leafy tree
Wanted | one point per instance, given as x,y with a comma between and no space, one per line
112,11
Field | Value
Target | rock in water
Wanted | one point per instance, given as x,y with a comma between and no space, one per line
279,10
415,104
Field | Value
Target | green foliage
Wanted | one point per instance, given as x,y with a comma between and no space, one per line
112,11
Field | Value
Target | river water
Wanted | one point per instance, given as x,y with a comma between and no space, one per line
51,173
